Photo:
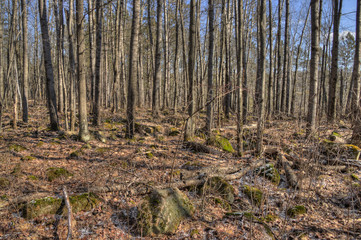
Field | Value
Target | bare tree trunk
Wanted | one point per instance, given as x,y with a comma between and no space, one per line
166,56
176,62
83,114
189,129
261,75
209,120
337,8
279,64
92,53
270,80
285,83
239,19
54,123
356,135
133,58
157,71
99,16
25,61
315,46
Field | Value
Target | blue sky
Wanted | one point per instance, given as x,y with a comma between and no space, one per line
348,19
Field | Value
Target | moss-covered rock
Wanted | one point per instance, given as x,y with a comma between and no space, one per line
296,210
354,177
219,187
33,177
50,205
334,149
270,172
220,142
4,183
162,211
254,194
55,173
173,132
17,148
102,150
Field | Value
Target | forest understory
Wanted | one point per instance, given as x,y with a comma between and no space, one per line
323,203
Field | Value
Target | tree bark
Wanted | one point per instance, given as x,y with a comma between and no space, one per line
132,81
315,49
54,123
157,71
98,51
25,61
337,9
189,129
83,114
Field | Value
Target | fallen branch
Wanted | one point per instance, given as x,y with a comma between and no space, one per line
67,203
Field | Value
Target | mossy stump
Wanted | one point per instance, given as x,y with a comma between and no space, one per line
50,205
254,194
270,172
162,211
220,142
55,173
296,210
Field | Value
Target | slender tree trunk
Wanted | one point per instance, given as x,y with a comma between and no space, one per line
25,61
54,123
189,130
176,62
356,135
337,8
92,53
270,81
209,120
99,16
239,38
285,83
315,49
83,113
261,74
157,68
279,56
133,58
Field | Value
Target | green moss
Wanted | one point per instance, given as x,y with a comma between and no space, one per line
17,148
76,154
254,194
55,172
16,170
194,233
223,203
220,142
86,146
102,150
354,177
32,177
4,183
269,172
173,132
50,205
296,210
220,187
149,155
27,158
270,218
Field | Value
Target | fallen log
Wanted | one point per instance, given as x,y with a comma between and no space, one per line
290,174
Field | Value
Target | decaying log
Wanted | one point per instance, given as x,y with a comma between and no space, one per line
290,174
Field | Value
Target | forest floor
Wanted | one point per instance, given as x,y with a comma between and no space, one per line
330,194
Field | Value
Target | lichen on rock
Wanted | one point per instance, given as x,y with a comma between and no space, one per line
296,210
219,187
162,211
